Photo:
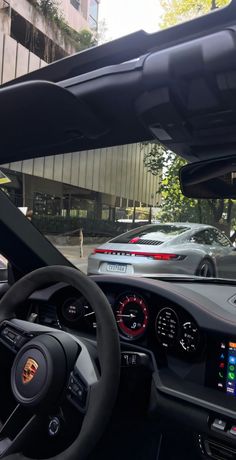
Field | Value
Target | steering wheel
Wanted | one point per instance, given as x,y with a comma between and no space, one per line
51,365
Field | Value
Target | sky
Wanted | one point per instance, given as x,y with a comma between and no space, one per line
123,17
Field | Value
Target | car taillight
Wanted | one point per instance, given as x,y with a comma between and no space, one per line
165,256
153,255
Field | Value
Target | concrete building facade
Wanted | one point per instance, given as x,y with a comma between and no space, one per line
96,182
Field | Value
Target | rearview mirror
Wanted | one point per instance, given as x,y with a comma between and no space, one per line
209,179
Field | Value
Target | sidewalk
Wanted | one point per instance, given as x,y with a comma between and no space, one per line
72,253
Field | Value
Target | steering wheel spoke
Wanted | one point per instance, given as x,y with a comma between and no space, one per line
83,377
16,430
15,333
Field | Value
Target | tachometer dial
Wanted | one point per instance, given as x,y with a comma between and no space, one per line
167,325
132,316
190,337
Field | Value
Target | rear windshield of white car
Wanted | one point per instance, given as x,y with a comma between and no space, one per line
157,233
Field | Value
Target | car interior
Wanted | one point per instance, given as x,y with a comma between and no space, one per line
101,367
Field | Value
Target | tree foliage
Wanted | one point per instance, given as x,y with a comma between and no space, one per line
51,10
175,207
177,11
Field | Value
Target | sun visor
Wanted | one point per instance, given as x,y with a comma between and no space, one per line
41,118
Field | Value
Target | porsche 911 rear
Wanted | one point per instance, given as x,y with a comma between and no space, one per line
110,261
155,248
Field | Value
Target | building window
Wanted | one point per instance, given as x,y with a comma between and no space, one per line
75,4
93,14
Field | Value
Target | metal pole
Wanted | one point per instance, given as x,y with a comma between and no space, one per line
81,242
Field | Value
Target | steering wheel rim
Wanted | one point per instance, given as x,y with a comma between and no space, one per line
102,400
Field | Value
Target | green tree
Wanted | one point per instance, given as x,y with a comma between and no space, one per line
177,11
175,207
51,10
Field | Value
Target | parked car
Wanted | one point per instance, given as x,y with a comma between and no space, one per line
184,248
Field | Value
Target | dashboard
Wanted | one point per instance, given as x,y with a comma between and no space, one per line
143,317
184,325
184,332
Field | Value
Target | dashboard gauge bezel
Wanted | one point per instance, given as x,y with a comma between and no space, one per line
174,341
185,349
119,308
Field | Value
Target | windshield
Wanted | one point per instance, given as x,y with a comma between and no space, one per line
117,209
156,234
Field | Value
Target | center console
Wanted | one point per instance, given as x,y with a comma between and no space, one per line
221,366
220,441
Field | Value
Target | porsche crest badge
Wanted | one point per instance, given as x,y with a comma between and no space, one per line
29,371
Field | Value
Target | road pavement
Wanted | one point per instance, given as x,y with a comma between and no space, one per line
73,254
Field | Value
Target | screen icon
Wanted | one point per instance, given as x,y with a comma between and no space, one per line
230,390
231,375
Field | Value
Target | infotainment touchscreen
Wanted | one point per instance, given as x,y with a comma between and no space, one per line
221,368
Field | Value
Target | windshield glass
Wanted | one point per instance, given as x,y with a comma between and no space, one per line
90,204
151,233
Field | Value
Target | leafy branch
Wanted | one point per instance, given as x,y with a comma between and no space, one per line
51,11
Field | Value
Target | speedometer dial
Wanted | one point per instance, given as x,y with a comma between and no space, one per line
132,316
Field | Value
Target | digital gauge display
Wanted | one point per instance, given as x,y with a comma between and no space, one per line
132,316
167,324
76,311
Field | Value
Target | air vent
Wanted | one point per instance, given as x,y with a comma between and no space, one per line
219,451
151,242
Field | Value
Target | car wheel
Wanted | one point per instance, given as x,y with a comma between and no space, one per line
206,269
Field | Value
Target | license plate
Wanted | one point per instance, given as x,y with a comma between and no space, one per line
116,268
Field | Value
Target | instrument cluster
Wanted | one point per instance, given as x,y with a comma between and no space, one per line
138,317
142,318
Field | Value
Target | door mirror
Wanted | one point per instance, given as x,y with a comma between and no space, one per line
209,179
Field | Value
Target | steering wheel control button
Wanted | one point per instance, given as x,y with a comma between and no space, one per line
219,425
11,337
54,426
77,391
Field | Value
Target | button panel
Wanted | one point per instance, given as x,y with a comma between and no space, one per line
134,359
12,338
219,424
77,392
225,427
